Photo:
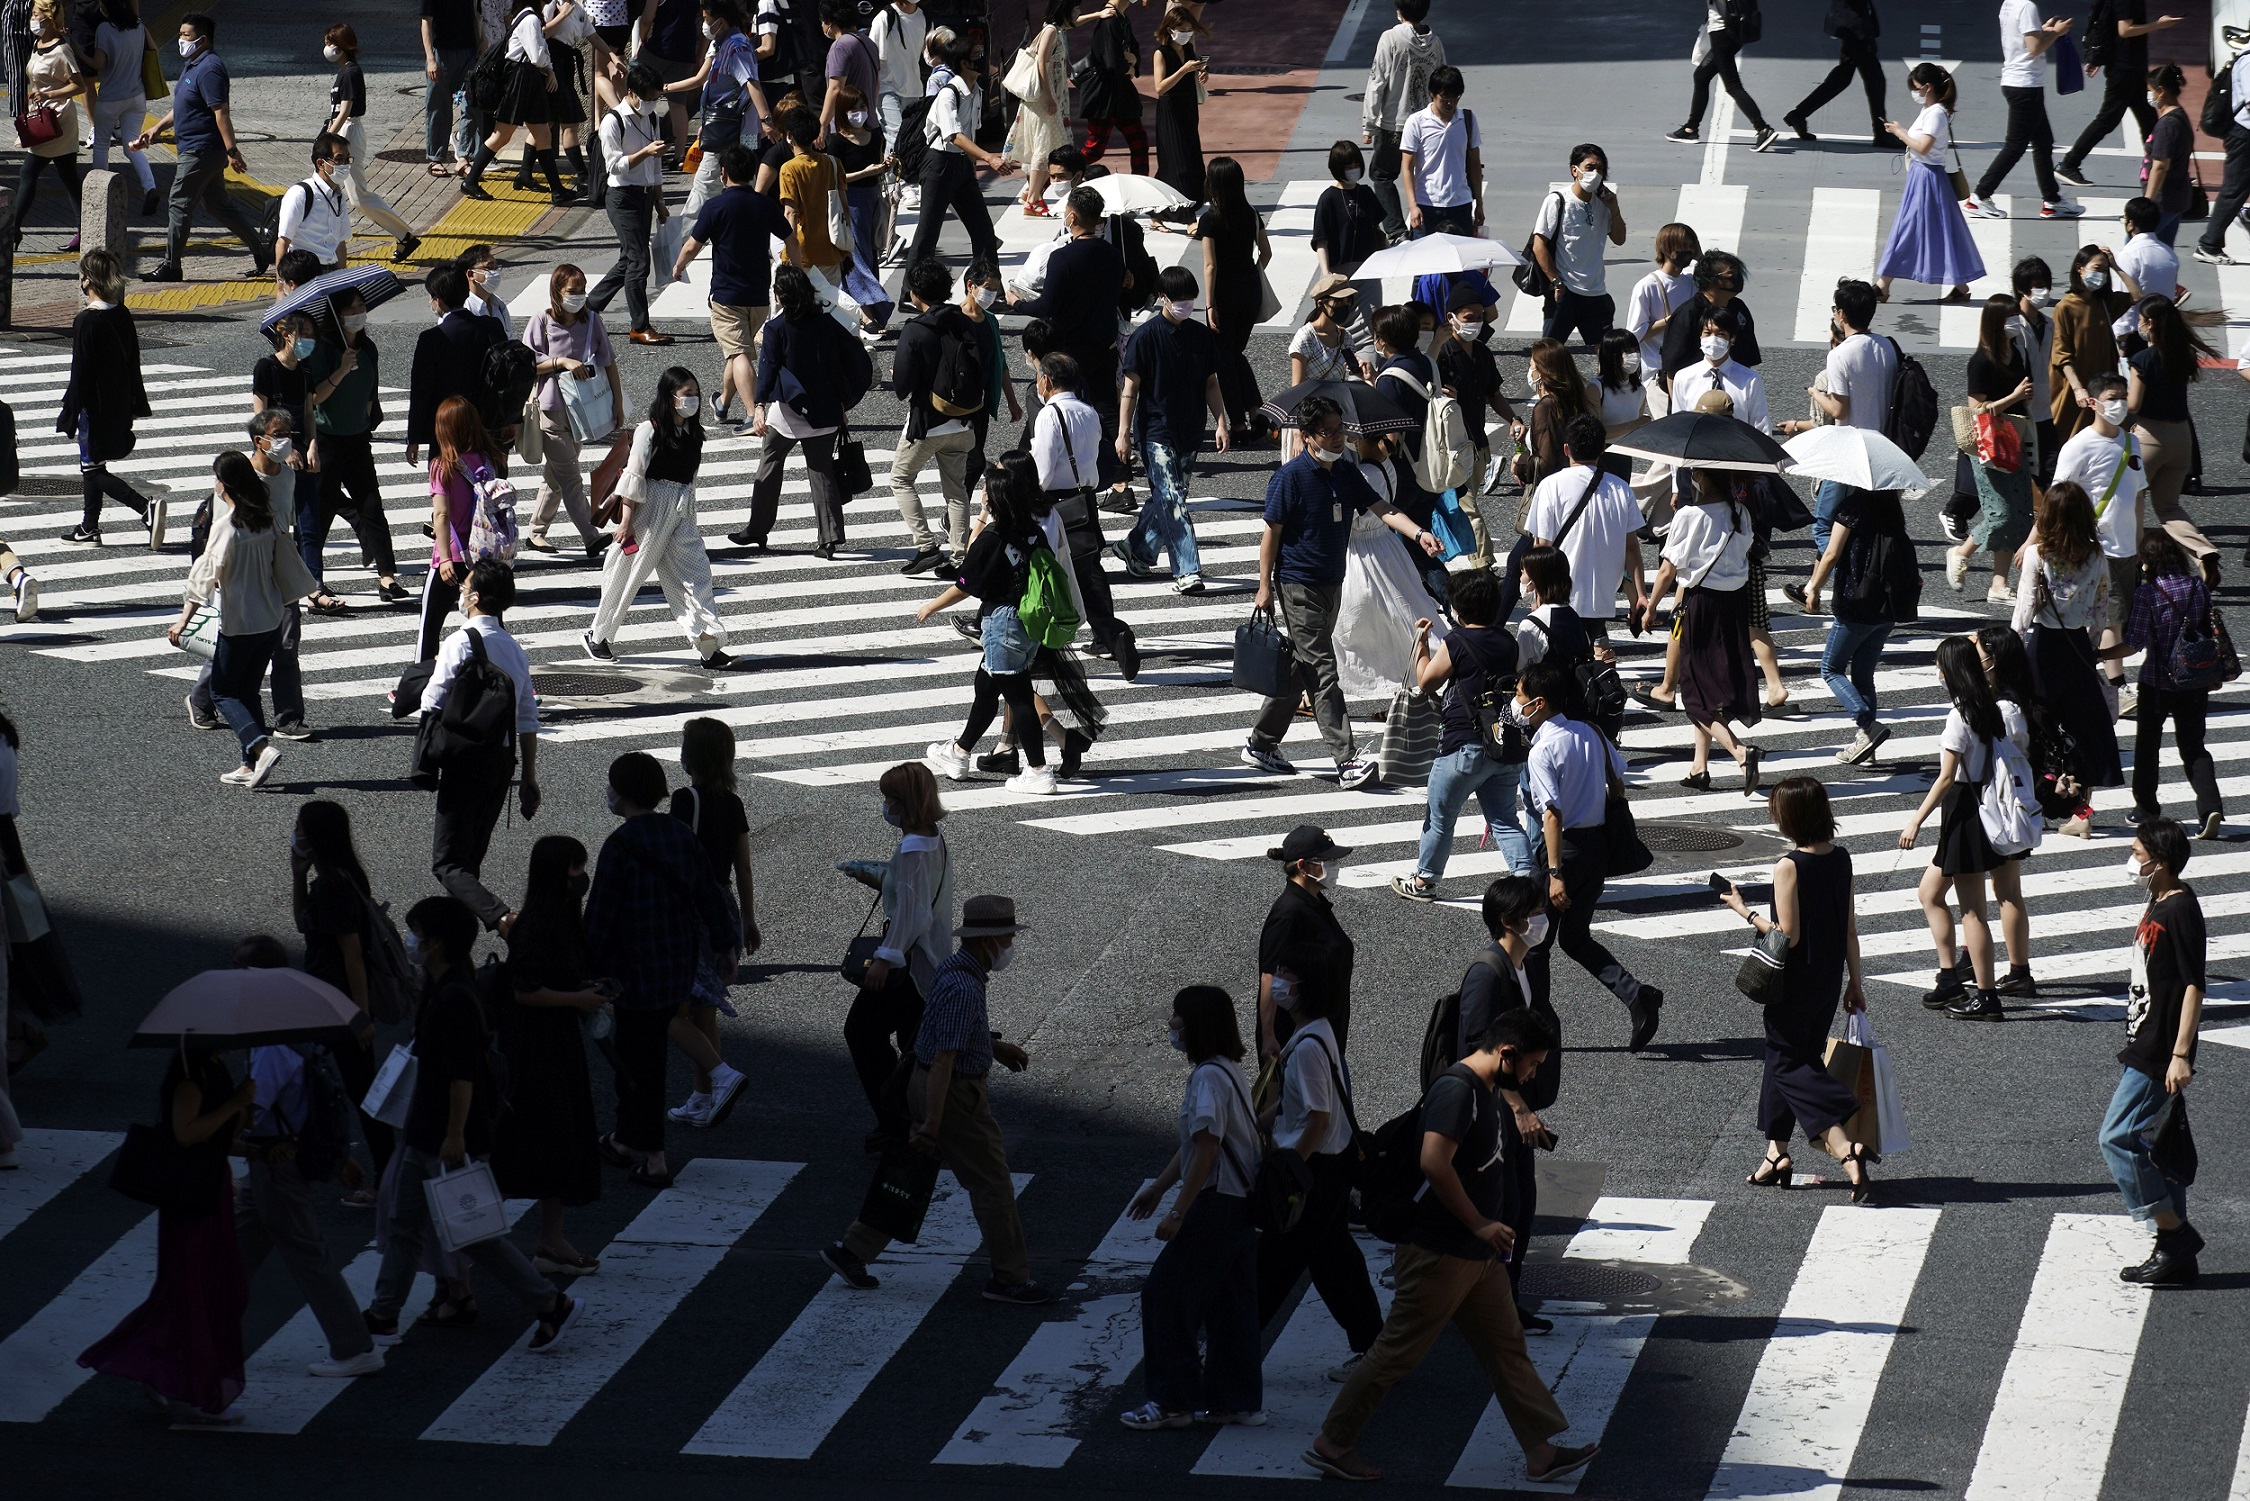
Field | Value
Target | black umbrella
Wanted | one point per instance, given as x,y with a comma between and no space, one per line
1705,440
1367,411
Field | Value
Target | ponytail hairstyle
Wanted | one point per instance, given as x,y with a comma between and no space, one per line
1938,81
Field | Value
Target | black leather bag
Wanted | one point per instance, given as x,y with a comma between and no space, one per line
1627,855
853,476
860,952
154,1169
1264,661
1760,976
1529,278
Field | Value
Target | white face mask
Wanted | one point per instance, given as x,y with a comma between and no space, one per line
414,951
609,795
1284,992
1715,347
687,406
574,302
354,322
986,296
1535,931
710,31
1183,37
1591,180
1351,174
1470,329
1004,958
1631,362
1055,194
2133,869
2153,101
279,449
2042,296
858,117
1323,455
332,54
2096,280
1181,309
2114,411
1178,1038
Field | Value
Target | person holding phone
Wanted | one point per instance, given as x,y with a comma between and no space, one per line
1812,904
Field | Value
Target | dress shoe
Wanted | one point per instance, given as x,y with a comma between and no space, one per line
648,336
1644,1013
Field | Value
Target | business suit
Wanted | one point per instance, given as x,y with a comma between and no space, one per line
1084,288
449,361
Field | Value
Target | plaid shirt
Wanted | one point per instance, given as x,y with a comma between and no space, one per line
2159,609
954,1018
653,906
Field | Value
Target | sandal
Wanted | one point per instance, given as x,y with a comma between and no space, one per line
615,1155
1643,693
647,1179
1863,1186
445,1313
1149,1417
1774,1172
556,1264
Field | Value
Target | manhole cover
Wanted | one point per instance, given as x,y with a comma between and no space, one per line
47,484
1687,838
1586,1281
405,154
583,684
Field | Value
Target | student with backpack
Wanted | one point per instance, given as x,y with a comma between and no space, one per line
1981,765
1015,575
1450,1266
939,373
483,676
946,132
1878,586
658,533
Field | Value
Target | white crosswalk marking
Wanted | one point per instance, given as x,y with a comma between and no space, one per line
52,1161
813,1374
1815,1384
1840,241
39,1362
2059,1399
1039,1409
1714,211
653,1263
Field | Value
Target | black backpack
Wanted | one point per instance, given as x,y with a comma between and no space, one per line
1914,404
1390,1175
477,720
1888,584
1441,1037
2218,104
1745,23
325,1140
912,148
510,371
957,385
2099,48
488,80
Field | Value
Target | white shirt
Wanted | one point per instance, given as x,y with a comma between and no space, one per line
1935,123
2020,67
624,132
2089,459
1531,641
898,39
1066,430
951,103
2155,269
1709,545
1217,1101
1311,1067
1441,155
279,1071
1740,382
489,307
315,217
1861,369
1975,755
504,653
1576,229
1596,545
918,907
1625,404
1655,296
527,41
1569,772
2241,94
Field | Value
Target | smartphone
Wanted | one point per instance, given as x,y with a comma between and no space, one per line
1721,884
1549,1136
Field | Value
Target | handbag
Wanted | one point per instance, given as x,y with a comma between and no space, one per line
200,637
152,1168
1890,1109
1621,837
391,1091
153,85
1450,525
531,445
465,1206
588,406
853,477
38,127
601,490
839,211
1529,278
1269,301
2199,197
2230,664
1022,77
860,952
2171,1146
25,910
1958,177
671,234
1412,732
1760,976
2070,68
1264,661
899,1196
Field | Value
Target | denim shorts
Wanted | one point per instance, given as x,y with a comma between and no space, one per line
1007,649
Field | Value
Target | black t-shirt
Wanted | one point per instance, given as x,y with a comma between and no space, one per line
332,908
2131,57
1870,515
282,387
453,24
2167,959
1482,656
350,84
990,572
1301,932
853,158
1349,221
1462,1106
1474,375
548,956
2163,399
1989,380
449,1045
777,155
1174,363
719,821
2174,142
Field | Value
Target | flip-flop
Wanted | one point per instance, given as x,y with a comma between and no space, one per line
615,1155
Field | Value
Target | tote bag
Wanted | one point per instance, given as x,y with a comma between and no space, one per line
200,638
1890,1109
1412,732
392,1089
588,405
466,1206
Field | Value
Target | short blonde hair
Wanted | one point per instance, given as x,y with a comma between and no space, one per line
707,753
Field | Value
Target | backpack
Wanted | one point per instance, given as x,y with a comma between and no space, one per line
11,472
2007,804
2218,105
1501,740
269,223
913,146
1448,457
477,719
1888,585
1049,618
510,371
391,982
488,79
1390,1180
1601,692
1914,404
2100,45
492,525
957,385
1442,1035
324,1142
2195,664
1745,23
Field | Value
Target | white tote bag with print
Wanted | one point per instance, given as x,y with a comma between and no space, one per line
466,1206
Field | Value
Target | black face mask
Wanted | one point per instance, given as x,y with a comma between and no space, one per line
580,884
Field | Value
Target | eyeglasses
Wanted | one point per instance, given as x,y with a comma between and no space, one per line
1327,434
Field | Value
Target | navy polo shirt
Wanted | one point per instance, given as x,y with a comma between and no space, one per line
740,225
202,88
1315,507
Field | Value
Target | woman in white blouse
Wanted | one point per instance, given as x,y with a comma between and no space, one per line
1322,348
1708,550
577,372
917,898
2062,601
1930,240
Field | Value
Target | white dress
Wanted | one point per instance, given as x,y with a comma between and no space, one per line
1383,597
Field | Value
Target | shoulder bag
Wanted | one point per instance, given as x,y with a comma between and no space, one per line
153,1168
860,952
1529,277
1627,855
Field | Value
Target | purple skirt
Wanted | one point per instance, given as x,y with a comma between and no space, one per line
1930,241
185,1342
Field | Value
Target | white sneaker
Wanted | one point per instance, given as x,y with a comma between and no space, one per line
1956,568
1999,593
911,199
27,597
1982,208
2128,704
2062,208
1268,760
1357,773
262,768
239,777
692,1110
366,1363
1038,781
156,518
1342,1373
947,760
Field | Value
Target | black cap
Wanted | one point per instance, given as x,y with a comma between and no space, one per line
1307,842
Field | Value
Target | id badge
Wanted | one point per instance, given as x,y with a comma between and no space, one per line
1336,513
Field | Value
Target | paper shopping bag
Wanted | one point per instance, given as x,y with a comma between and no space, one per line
466,1206
904,1182
1848,1065
392,1089
1890,1108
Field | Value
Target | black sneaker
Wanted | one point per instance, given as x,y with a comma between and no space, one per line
1023,1294
1644,1013
1128,654
1947,990
967,628
1801,126
1532,1323
393,593
2072,174
850,1268
600,651
292,729
85,534
1982,1006
923,561
1684,133
163,271
1795,593
718,661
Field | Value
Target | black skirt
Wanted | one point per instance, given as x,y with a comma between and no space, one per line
565,107
543,1145
1962,846
524,99
2071,688
1719,680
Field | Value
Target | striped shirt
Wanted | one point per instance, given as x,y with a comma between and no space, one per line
954,1019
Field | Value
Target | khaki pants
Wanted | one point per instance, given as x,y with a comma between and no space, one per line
1432,1291
969,1142
951,454
560,482
2167,448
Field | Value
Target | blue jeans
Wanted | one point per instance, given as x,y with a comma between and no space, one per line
1825,500
1164,520
1007,649
437,103
2132,1110
288,682
1452,778
237,668
1847,664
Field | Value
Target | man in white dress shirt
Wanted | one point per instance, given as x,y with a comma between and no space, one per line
1592,517
315,214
